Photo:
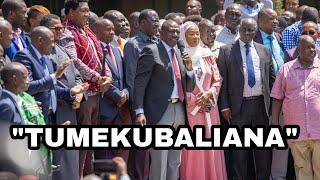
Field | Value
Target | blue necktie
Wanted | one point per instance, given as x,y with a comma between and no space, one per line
53,98
250,68
276,56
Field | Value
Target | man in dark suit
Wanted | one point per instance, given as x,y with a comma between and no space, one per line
15,11
67,159
42,77
113,103
6,35
163,76
138,165
246,68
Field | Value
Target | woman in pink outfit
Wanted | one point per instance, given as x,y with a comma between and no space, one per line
202,164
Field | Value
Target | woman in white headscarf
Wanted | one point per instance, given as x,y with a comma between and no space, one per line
202,108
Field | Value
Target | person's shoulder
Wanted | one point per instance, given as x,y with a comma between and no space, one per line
6,99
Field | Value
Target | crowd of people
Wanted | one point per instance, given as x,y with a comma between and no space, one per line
247,65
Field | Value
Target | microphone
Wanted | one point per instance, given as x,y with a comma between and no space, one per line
181,46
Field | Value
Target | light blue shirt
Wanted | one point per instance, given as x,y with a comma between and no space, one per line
251,12
276,50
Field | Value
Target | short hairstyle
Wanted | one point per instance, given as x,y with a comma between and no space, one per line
46,20
171,15
144,14
204,23
8,71
310,14
72,4
111,15
10,5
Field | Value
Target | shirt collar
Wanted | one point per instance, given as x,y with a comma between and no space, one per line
242,43
15,97
257,6
168,48
229,31
316,64
38,54
265,35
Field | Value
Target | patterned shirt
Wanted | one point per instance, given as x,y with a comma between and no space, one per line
291,34
299,88
226,36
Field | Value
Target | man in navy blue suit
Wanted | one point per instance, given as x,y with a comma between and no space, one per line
15,11
114,100
42,77
15,79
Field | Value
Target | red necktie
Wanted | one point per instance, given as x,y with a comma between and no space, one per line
112,56
177,74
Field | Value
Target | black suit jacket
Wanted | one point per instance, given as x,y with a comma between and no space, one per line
153,83
231,69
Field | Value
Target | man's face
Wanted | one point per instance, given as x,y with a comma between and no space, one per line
80,16
119,24
127,28
108,32
208,35
47,43
22,80
269,22
56,28
307,51
233,17
310,29
170,34
152,24
292,5
6,36
20,15
193,8
247,32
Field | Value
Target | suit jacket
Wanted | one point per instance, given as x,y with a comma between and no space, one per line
9,109
14,48
41,85
109,110
230,64
70,78
154,84
258,39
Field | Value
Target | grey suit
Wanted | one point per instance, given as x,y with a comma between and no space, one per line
153,87
245,111
67,159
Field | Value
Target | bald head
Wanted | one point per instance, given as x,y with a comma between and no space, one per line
118,20
300,11
310,28
15,77
5,33
307,50
104,30
193,7
42,38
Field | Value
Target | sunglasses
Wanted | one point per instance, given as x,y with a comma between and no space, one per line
311,33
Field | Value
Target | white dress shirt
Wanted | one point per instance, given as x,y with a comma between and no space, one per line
226,37
256,90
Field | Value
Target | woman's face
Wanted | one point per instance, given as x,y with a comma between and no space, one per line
193,36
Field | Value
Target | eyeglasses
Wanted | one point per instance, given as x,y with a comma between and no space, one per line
57,28
311,33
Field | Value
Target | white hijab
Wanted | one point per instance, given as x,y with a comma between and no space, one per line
195,53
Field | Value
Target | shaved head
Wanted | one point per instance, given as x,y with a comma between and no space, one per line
42,38
15,77
6,33
104,30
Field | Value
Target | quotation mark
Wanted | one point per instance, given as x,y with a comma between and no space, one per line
292,132
18,133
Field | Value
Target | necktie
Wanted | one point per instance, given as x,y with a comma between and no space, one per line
177,74
112,56
250,68
53,97
120,43
276,57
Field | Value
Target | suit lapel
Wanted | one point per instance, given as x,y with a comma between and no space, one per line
37,61
165,59
261,57
238,57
